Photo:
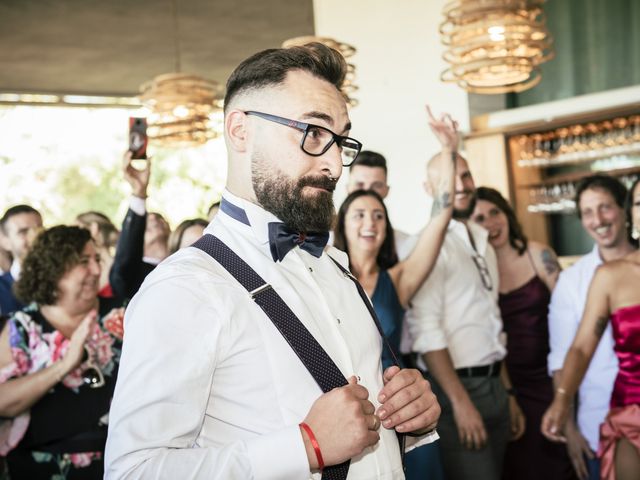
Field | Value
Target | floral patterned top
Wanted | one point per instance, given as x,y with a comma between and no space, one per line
63,434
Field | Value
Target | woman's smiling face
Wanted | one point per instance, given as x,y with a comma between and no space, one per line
489,216
365,224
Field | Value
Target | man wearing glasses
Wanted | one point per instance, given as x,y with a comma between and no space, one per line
455,325
213,383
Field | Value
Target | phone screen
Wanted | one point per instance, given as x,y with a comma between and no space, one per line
138,137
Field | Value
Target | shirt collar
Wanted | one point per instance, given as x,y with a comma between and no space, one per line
480,235
15,270
595,253
249,214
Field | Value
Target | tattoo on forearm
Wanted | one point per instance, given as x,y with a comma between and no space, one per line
601,325
550,262
441,202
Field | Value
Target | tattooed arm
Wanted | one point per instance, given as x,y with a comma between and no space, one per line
407,276
592,326
546,263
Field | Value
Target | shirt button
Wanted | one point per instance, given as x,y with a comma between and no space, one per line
338,320
311,269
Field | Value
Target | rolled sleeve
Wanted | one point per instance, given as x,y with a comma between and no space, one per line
424,320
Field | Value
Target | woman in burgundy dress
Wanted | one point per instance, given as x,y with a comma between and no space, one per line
614,295
528,273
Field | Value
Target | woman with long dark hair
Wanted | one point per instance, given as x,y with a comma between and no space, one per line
364,231
528,273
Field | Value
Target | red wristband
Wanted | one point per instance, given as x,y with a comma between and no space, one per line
314,444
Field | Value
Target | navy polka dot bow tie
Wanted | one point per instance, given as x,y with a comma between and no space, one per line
282,239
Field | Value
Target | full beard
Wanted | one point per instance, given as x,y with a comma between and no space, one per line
284,197
466,213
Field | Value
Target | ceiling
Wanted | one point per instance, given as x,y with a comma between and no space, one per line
110,47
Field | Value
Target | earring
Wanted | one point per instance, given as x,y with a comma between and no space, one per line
635,232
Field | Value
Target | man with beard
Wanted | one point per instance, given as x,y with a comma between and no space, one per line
455,325
600,203
212,382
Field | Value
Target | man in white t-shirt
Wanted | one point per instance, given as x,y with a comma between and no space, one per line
600,207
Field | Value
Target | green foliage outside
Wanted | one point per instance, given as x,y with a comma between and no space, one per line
67,160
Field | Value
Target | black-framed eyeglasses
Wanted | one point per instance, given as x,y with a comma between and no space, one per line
316,140
483,270
91,375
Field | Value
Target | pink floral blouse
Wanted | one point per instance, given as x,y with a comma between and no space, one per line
35,345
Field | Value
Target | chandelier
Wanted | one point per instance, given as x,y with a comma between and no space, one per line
186,109
495,46
348,86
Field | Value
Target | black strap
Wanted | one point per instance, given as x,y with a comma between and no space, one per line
315,359
401,436
372,311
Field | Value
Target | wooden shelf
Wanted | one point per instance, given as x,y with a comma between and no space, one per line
589,156
574,177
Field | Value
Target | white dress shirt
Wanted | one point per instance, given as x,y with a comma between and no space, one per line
403,243
15,270
209,388
568,301
453,309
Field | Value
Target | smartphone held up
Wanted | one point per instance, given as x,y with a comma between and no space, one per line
138,138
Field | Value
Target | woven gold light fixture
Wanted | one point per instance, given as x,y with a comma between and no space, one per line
347,51
186,109
495,46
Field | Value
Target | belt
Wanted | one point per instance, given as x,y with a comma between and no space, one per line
492,370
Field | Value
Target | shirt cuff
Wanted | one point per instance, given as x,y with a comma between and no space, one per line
415,442
279,455
138,205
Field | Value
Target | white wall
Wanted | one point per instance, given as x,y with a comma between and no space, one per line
398,65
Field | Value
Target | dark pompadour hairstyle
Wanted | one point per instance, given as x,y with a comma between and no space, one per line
517,238
16,210
53,253
604,182
387,256
370,159
270,67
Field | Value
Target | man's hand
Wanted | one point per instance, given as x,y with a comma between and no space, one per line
445,129
442,169
343,423
518,421
470,425
408,404
138,179
578,448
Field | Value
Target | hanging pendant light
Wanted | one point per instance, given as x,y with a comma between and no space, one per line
186,109
348,86
495,46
